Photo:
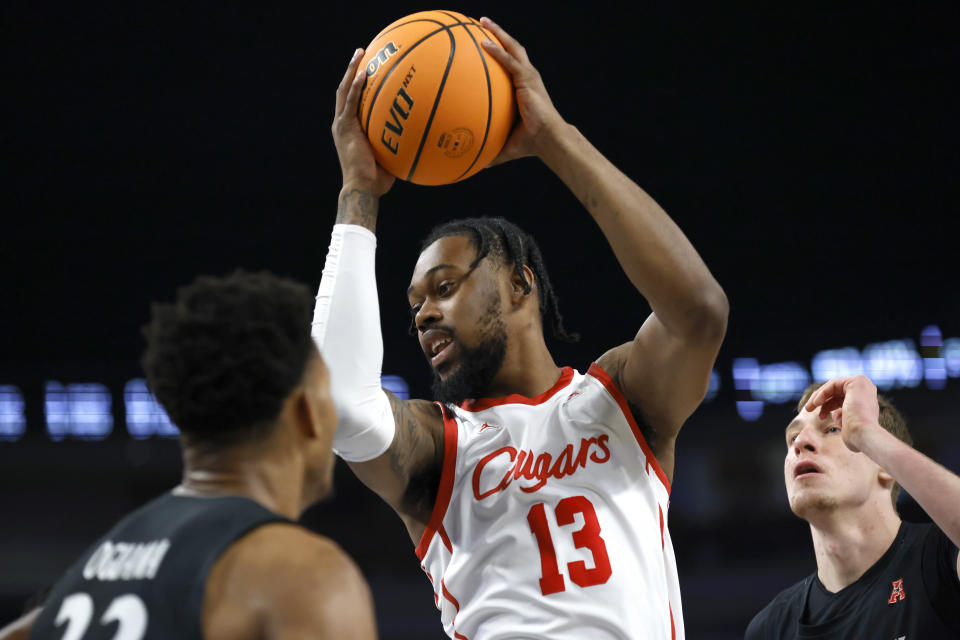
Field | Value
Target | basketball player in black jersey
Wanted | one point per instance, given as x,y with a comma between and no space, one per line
220,556
848,453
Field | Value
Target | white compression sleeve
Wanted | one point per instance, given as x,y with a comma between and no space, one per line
346,328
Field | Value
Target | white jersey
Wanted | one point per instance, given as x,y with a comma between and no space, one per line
551,520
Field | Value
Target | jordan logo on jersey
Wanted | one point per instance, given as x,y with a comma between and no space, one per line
897,594
530,466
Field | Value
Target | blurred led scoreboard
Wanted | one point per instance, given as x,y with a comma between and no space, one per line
894,364
85,410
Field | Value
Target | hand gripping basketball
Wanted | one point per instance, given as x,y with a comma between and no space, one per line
539,118
357,162
436,106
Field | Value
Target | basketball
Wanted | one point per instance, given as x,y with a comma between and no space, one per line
435,106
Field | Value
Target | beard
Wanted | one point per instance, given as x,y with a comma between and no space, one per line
477,365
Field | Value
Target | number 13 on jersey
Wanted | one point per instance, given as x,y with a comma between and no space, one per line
587,537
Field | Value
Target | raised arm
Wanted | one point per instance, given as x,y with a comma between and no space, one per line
853,402
665,370
394,446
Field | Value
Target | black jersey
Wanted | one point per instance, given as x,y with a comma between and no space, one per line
145,579
911,593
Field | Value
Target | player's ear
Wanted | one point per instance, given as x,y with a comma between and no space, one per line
518,288
305,415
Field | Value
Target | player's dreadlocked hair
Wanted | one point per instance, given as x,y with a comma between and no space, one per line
513,247
224,356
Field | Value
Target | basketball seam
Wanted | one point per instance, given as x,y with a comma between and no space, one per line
376,94
403,24
436,103
365,123
486,72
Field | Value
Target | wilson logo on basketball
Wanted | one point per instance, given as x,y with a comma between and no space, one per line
538,468
374,65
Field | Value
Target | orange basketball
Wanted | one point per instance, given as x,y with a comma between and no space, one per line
436,107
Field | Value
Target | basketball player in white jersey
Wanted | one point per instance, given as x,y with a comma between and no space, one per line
536,495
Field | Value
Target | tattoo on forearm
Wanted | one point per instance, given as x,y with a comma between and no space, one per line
358,207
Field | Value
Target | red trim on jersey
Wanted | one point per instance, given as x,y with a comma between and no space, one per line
449,596
480,404
444,537
663,544
597,372
446,487
436,596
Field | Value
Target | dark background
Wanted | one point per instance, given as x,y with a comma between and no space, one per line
810,154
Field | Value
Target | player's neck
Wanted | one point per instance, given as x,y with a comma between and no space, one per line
528,369
847,543
265,476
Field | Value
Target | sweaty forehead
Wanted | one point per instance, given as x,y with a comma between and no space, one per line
807,417
455,251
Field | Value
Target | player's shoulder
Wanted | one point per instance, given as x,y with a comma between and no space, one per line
281,575
276,555
612,359
913,531
284,549
608,369
781,615
925,537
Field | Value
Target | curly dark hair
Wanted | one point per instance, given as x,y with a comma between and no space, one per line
513,247
224,356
